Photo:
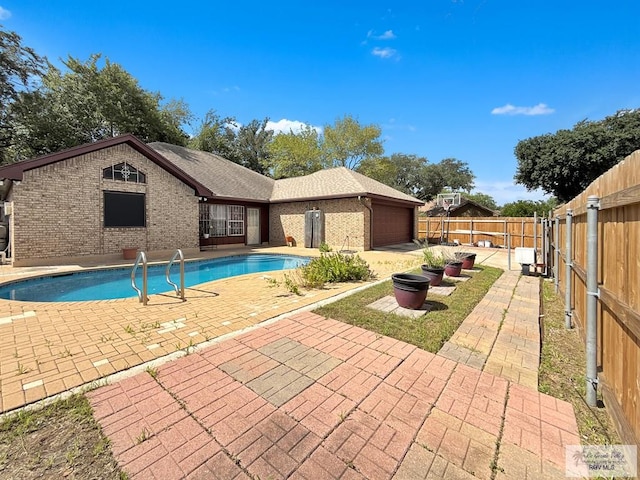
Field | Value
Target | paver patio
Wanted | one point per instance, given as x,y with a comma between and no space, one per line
308,397
304,397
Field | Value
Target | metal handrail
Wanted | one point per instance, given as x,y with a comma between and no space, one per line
179,291
142,294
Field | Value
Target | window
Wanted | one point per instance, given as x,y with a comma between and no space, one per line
124,172
222,220
235,217
124,209
218,220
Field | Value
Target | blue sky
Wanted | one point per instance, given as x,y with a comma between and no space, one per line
465,79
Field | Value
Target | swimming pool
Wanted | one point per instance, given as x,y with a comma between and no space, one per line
109,284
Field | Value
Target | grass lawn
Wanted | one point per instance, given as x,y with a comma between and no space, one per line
429,332
562,372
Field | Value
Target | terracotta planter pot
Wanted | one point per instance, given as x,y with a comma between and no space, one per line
129,253
410,290
434,274
467,259
453,269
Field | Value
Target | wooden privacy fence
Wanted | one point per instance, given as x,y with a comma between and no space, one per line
596,254
523,231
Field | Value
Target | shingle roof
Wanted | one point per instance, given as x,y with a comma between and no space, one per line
334,183
223,177
15,171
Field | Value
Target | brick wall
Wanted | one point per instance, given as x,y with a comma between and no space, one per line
58,209
343,217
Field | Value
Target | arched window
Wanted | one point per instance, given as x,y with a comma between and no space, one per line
124,172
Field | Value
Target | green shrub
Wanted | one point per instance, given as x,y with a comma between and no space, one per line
324,247
433,258
334,268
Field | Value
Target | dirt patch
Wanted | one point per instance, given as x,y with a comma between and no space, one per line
59,441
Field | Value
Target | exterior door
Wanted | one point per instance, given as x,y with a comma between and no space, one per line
253,226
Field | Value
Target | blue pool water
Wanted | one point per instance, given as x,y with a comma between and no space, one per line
116,283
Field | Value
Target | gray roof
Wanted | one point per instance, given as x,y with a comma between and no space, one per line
227,179
223,177
334,182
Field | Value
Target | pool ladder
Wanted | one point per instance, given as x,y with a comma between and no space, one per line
142,259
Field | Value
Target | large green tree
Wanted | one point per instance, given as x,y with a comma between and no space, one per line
252,145
483,199
526,208
296,154
20,68
566,162
216,134
86,103
415,176
403,172
347,143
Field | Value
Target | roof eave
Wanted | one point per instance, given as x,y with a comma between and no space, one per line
348,195
16,171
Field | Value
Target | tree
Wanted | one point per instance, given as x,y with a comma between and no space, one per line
456,174
401,171
252,145
295,154
414,176
20,67
347,143
527,208
216,135
88,103
566,162
482,199
451,174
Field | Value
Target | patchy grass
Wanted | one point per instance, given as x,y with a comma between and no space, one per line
429,332
563,372
61,440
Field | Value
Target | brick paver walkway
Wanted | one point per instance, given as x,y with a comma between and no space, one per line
502,333
308,397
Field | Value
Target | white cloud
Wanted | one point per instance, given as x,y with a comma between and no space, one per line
384,52
507,192
4,13
286,126
508,109
388,35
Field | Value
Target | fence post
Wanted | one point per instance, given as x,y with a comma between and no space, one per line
556,250
509,251
568,263
522,234
535,231
593,203
544,240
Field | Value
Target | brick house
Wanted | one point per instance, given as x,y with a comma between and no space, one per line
100,198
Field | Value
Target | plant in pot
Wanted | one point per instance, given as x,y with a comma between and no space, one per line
410,290
468,259
453,266
433,267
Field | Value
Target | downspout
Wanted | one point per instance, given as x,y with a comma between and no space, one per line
363,201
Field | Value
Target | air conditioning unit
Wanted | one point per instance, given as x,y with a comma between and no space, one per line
8,208
526,256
